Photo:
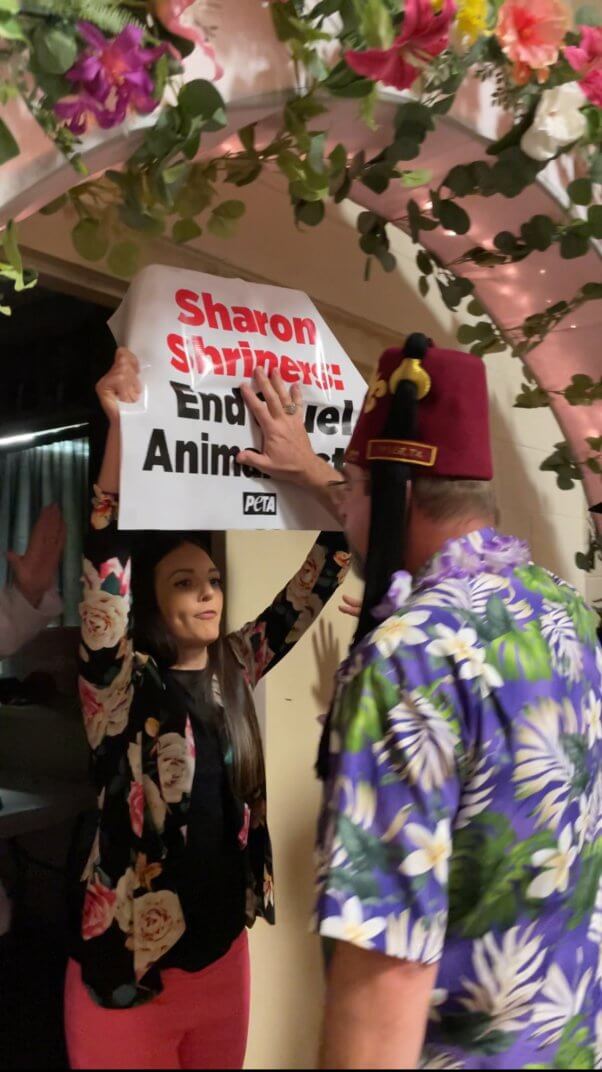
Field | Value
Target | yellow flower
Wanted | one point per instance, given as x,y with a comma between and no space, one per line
471,20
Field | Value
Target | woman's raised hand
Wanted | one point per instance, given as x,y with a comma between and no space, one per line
120,384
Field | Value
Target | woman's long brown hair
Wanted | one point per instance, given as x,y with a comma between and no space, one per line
151,636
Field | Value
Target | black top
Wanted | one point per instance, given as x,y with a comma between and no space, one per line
210,874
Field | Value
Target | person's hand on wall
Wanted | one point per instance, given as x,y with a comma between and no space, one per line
34,572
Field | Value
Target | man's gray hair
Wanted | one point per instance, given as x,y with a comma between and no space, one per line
443,500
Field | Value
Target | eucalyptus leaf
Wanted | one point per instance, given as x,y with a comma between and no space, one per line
185,230
460,180
54,206
594,219
201,99
123,259
8,146
55,48
309,212
453,217
588,15
580,191
90,239
573,245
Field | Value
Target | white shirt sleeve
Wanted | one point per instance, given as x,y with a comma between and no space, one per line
20,622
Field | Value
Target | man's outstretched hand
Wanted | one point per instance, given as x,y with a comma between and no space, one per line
286,452
34,572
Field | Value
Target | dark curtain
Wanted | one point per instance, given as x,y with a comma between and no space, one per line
33,478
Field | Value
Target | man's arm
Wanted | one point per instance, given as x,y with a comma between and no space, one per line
287,452
376,1010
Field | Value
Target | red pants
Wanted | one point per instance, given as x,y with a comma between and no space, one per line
200,1020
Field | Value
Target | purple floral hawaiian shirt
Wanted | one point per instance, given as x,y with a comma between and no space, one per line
462,823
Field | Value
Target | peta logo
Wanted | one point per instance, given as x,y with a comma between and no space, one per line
258,504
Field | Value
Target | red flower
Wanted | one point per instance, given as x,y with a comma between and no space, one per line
99,909
424,34
136,803
586,57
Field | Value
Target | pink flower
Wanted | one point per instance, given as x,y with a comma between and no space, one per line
136,803
424,34
530,33
99,909
169,13
110,77
243,833
123,573
586,57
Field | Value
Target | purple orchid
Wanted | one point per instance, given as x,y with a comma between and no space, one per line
110,77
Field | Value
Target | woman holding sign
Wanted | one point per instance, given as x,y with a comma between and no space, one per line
180,859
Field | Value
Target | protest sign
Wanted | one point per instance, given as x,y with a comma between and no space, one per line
198,337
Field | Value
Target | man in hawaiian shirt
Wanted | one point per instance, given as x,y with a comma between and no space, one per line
460,848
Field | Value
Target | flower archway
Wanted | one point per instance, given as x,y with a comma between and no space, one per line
475,125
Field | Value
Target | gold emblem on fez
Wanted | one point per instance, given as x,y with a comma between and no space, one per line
376,390
411,369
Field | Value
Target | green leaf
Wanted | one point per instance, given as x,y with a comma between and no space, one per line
594,219
185,230
573,245
588,15
580,191
55,49
419,177
309,212
200,99
460,180
9,7
11,29
453,217
403,149
11,248
90,239
423,286
247,137
466,334
123,259
366,222
8,146
230,210
586,887
141,221
591,291
424,262
419,115
538,232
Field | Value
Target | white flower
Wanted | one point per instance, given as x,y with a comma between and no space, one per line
543,767
350,925
559,630
104,619
562,1002
555,867
158,925
426,741
557,122
592,710
433,853
507,979
401,630
463,647
420,941
175,767
451,644
106,709
359,803
477,791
